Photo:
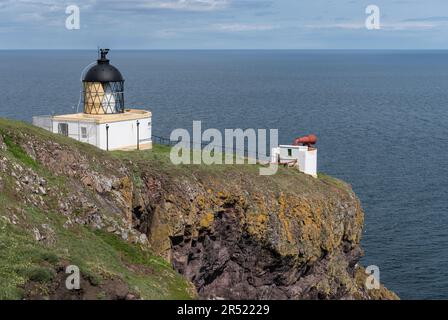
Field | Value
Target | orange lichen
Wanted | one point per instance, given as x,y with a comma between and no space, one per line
207,220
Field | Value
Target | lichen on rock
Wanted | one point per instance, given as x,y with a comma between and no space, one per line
240,236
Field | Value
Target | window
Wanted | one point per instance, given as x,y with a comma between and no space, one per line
289,152
84,132
63,129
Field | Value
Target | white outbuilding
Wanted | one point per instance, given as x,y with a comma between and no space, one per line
304,158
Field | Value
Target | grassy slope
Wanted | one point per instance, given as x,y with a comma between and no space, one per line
98,254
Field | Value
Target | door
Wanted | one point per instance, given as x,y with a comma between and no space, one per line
63,129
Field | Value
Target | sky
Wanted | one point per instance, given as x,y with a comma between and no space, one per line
224,24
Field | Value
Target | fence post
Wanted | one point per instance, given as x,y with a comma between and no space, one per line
138,135
107,137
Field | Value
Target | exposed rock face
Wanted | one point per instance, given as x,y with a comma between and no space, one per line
239,237
98,193
232,233
2,144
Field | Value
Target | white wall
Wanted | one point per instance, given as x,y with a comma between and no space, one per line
311,163
122,134
306,158
74,130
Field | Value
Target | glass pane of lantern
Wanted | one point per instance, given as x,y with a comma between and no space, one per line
108,103
93,98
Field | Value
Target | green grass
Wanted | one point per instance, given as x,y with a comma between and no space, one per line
40,274
50,257
18,153
16,128
158,159
333,181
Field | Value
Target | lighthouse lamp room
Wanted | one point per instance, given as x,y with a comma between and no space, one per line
104,122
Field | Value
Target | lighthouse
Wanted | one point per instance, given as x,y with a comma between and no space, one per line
105,121
103,88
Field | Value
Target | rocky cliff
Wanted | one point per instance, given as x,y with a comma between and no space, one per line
140,227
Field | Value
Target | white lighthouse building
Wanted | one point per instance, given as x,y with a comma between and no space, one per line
104,122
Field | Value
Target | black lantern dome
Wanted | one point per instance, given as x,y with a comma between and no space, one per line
103,87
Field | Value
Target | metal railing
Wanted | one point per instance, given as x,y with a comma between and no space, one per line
245,153
163,141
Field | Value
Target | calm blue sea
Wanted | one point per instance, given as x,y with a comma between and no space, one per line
381,117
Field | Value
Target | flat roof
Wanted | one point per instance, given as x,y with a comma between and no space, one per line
129,114
291,146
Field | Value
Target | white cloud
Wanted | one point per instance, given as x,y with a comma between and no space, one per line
410,26
166,33
131,5
242,27
179,5
171,33
392,26
352,26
